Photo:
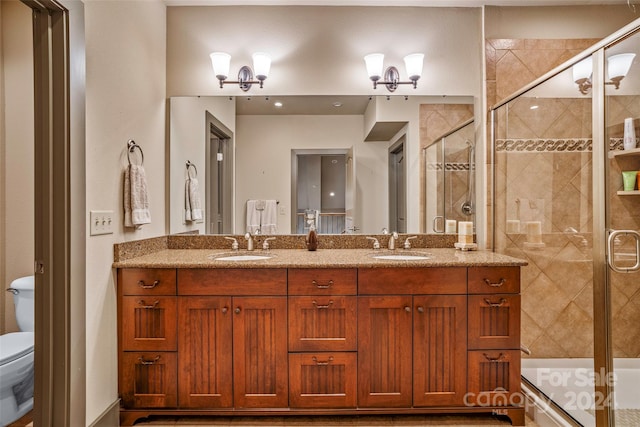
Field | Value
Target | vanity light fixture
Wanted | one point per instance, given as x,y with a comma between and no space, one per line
391,78
261,64
617,67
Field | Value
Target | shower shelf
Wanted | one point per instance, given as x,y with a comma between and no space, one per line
628,193
624,153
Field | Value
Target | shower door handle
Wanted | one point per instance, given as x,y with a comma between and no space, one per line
434,226
611,244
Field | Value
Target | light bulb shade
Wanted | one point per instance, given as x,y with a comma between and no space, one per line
221,62
618,65
261,65
374,62
414,63
583,69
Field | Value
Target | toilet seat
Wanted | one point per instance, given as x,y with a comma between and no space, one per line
15,345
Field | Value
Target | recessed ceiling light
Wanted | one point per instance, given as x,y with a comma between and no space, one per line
277,104
533,107
337,104
332,194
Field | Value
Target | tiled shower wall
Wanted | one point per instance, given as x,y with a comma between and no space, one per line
543,173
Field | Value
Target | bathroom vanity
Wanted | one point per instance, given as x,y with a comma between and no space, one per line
328,332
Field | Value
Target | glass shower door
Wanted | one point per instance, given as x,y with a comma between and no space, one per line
622,110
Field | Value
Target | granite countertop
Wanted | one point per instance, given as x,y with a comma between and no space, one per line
322,258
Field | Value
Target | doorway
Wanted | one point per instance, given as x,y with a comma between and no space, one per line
398,187
219,198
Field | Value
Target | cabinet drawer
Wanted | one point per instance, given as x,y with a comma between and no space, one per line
323,281
494,378
149,380
322,380
489,280
232,281
149,323
147,281
405,281
494,321
322,323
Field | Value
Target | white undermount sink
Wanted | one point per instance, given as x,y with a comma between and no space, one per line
407,256
236,257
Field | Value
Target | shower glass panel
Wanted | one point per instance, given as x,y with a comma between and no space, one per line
622,106
542,212
450,178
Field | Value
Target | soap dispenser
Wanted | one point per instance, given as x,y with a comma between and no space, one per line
312,239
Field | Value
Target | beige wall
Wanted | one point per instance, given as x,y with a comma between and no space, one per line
17,197
320,50
125,88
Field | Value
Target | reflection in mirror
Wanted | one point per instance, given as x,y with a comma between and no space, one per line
450,179
264,136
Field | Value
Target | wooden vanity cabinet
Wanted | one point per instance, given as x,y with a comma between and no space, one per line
412,346
322,338
147,338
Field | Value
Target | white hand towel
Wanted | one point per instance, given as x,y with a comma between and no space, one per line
253,216
270,217
136,201
193,208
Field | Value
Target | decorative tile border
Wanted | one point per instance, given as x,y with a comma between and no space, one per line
571,145
449,166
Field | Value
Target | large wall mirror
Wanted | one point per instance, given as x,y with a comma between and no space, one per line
268,149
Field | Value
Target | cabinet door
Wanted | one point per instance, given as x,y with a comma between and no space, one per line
148,380
322,323
384,351
439,350
260,352
148,323
494,378
494,321
206,361
322,380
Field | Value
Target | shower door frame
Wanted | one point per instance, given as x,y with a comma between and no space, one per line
603,352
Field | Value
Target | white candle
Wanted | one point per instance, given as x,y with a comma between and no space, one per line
534,232
513,226
465,232
450,227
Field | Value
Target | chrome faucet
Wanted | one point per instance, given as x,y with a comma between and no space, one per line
392,240
376,244
249,240
265,244
407,243
234,244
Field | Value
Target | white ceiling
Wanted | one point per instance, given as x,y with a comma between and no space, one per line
418,3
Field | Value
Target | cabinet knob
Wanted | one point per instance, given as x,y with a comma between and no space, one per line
237,310
407,309
224,310
420,309
143,285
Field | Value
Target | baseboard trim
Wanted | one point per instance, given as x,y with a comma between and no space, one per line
110,417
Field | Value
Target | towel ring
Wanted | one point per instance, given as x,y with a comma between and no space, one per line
131,146
189,166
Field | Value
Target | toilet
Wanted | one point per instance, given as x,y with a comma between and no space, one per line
16,356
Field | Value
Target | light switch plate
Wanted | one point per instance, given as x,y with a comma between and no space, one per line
102,222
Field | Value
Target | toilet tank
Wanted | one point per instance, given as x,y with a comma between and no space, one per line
23,298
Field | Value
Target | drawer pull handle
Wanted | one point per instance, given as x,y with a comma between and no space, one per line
143,285
322,362
493,359
148,362
319,286
148,307
495,304
420,309
495,285
320,306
